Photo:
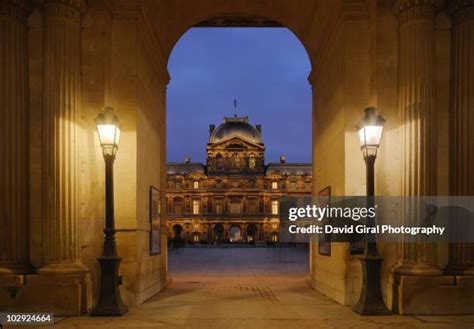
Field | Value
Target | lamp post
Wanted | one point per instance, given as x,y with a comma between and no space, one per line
109,303
371,302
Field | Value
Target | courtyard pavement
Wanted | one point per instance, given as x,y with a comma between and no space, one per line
249,288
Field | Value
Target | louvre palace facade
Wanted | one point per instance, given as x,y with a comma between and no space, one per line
234,197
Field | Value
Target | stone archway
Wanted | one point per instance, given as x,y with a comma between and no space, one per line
177,231
218,233
360,52
235,234
252,233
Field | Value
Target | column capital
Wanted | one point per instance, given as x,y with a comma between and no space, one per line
19,9
408,10
72,9
460,11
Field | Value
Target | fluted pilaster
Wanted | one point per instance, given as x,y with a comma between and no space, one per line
461,255
62,87
417,106
14,194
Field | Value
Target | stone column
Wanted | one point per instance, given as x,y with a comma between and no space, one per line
61,85
461,255
14,144
417,106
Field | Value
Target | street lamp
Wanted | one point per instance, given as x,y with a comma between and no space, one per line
371,302
109,303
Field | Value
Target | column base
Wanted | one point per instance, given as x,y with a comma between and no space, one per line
62,295
418,269
63,269
431,295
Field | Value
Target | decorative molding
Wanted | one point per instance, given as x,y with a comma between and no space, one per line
66,9
460,11
80,5
408,10
238,21
18,9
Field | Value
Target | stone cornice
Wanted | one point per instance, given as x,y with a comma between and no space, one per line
460,11
67,9
408,10
19,9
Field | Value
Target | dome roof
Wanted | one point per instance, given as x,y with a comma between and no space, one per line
235,127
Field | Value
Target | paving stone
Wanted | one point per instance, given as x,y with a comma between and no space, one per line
237,293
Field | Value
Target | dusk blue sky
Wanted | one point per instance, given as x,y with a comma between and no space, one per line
265,69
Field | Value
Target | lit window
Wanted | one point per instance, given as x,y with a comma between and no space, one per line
274,238
196,237
293,185
275,207
196,184
178,185
219,208
252,161
275,185
196,205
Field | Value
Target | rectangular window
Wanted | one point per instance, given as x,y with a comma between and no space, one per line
218,208
252,207
275,207
275,185
196,184
178,185
235,208
196,206
293,185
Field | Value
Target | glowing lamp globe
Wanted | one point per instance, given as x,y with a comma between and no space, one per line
108,131
370,130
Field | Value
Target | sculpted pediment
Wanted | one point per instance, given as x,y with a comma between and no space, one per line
236,143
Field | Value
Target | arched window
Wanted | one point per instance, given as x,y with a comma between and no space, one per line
236,160
252,161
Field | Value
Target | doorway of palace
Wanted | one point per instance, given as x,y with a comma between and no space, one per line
219,234
235,234
251,233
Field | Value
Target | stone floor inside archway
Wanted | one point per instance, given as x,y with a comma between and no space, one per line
249,288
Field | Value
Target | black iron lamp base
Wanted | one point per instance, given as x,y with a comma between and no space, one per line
371,300
110,302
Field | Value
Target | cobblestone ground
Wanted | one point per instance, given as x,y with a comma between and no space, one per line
249,288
